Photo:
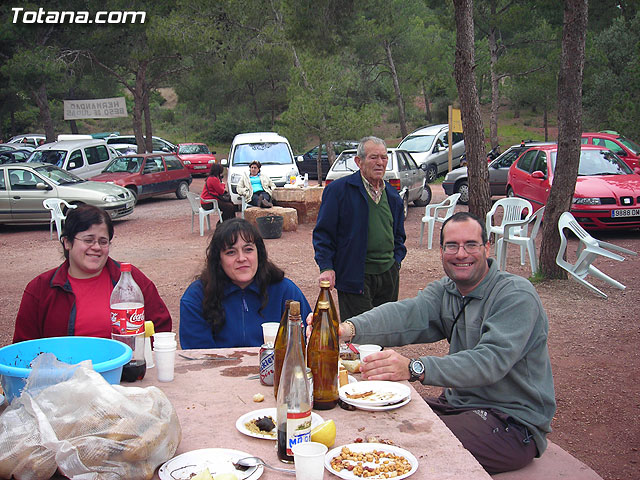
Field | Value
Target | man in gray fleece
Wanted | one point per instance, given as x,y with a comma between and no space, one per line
498,396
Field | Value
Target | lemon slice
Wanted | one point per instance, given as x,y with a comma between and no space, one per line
203,475
149,330
324,433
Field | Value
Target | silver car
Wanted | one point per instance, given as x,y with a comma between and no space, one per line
23,187
457,181
402,173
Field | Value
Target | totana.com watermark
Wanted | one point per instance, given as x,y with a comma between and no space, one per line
20,15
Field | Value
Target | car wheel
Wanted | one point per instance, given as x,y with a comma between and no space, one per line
463,189
181,191
134,194
425,198
432,173
405,205
510,192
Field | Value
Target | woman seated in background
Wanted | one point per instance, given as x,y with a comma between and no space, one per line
237,291
213,189
256,188
73,298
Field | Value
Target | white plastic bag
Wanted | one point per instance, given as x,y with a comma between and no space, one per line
85,427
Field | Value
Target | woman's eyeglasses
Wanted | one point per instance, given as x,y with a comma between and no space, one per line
91,241
469,247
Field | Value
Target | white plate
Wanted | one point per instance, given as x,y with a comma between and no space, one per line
384,392
217,460
381,408
352,379
267,412
368,447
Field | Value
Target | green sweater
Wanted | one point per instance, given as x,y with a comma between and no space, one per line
498,356
380,241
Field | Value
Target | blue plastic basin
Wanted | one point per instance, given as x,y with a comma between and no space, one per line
108,357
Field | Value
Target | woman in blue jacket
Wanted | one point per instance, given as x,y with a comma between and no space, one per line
237,291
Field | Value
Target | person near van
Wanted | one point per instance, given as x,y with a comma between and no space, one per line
256,187
359,234
238,289
498,397
73,298
215,189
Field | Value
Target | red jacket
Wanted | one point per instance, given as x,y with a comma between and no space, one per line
213,188
48,304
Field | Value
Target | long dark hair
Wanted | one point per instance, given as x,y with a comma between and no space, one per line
213,278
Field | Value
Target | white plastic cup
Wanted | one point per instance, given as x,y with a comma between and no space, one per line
309,460
366,350
165,362
270,331
164,338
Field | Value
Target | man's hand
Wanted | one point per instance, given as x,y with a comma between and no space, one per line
343,332
329,275
385,365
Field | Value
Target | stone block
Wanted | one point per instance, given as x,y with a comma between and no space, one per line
290,216
306,201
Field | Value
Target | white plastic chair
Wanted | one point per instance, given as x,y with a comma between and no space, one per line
434,213
57,215
523,238
196,209
588,250
512,208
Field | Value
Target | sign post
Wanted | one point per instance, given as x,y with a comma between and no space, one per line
455,125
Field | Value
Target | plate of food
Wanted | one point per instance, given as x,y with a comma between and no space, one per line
381,408
350,461
374,393
217,461
261,423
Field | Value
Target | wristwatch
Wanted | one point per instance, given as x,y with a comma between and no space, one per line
416,369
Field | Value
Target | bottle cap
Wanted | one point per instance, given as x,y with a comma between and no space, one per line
125,267
148,328
325,283
323,305
294,308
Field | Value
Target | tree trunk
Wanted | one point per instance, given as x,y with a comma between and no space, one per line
495,87
42,101
569,132
148,129
138,106
545,120
479,199
319,160
426,103
396,88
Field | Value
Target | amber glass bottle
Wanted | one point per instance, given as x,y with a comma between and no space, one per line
280,347
322,358
325,296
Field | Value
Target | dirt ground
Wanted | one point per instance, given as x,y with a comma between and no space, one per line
593,342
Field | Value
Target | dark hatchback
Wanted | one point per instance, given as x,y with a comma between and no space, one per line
308,162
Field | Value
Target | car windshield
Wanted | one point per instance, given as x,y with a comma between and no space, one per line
631,145
266,153
598,162
193,149
58,175
53,157
124,165
417,143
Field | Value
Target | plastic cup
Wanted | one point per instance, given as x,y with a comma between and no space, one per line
270,331
165,363
309,460
164,338
366,350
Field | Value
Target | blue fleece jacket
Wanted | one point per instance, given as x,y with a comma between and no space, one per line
242,327
340,234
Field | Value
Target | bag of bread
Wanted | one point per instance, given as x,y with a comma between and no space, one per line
86,428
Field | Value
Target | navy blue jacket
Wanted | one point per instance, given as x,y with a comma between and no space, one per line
340,234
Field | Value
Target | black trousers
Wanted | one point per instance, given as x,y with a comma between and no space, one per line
378,289
228,209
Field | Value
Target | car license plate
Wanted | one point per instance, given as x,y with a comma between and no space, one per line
128,205
625,212
200,167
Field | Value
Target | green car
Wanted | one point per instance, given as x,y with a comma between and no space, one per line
24,186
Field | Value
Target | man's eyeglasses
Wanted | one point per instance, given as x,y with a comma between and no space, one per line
469,247
91,241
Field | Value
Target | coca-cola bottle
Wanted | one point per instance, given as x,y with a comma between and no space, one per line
127,322
293,407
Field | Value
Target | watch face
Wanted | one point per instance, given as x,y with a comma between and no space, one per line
417,367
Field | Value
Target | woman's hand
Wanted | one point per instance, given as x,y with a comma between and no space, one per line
385,365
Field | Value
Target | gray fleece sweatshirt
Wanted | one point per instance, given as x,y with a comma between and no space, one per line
498,356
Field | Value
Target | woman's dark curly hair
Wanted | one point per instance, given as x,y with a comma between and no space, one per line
214,279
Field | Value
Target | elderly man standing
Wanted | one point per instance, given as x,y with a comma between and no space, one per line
498,396
359,235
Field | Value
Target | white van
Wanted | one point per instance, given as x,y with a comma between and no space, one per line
270,149
84,158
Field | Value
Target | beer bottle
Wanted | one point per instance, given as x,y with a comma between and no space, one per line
280,347
325,295
293,408
322,357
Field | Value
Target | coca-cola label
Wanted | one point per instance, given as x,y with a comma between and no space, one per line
127,319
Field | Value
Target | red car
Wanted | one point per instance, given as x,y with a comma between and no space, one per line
196,157
607,192
626,149
148,174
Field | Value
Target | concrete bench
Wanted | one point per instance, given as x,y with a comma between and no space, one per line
554,464
306,201
290,223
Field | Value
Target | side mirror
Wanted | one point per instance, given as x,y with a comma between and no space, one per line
538,174
43,186
299,158
72,165
224,162
636,170
213,152
423,167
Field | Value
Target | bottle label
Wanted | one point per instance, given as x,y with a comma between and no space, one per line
127,318
298,429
